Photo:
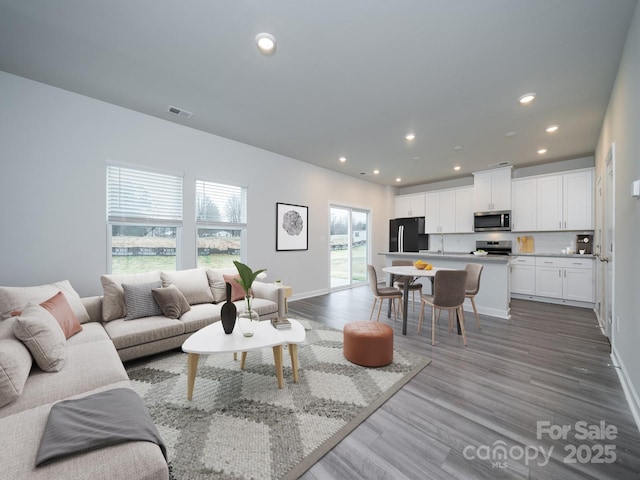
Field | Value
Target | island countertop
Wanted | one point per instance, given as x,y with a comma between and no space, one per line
494,296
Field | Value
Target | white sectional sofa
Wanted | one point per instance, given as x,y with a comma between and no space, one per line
91,362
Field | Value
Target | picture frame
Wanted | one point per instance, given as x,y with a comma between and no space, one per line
292,227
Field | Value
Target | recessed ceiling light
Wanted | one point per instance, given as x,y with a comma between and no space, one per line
266,43
410,136
457,167
542,151
527,98
376,172
510,134
398,179
342,159
416,158
457,148
552,128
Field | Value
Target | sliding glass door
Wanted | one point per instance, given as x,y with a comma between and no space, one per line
349,252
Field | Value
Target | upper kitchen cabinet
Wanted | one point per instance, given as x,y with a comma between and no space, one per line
492,189
410,206
565,201
523,205
464,210
440,212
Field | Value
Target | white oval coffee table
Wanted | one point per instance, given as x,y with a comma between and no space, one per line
212,339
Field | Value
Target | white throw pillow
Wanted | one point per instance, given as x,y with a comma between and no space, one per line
15,363
14,299
193,284
113,305
43,336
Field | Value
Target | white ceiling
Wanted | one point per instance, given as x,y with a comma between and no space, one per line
350,77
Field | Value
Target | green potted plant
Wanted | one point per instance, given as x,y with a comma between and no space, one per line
248,320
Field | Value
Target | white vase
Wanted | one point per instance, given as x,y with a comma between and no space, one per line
248,321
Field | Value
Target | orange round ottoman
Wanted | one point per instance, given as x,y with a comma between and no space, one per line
369,344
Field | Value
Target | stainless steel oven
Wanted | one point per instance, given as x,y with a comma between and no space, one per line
492,221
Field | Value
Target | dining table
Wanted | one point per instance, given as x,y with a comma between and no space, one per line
415,273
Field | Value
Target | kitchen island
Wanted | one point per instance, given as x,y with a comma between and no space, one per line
494,295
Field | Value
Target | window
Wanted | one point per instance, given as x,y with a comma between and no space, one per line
221,223
348,258
144,211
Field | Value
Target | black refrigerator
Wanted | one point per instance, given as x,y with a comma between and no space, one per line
407,235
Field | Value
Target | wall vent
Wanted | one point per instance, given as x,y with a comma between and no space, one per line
179,112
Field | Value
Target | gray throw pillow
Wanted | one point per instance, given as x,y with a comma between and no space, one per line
171,301
42,335
139,300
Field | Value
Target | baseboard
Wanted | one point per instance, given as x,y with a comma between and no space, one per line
303,295
557,301
630,392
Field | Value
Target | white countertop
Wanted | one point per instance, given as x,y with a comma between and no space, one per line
450,256
542,254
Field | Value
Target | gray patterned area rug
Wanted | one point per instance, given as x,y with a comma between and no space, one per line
239,425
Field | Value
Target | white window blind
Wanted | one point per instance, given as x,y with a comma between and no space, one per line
138,196
220,203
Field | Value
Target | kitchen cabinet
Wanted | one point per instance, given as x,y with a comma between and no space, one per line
464,210
565,201
565,278
523,205
523,275
410,205
440,211
492,189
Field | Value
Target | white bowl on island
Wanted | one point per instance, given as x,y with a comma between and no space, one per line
480,253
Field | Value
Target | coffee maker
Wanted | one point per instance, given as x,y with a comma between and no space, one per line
584,242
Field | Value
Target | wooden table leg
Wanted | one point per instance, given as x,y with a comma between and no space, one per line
192,368
293,352
243,359
277,357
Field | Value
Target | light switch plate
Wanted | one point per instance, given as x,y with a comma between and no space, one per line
635,188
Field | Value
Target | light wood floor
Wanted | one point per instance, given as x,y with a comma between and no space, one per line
547,363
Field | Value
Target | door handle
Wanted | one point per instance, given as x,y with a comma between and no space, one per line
604,259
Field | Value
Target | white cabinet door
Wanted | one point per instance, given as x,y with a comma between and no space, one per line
523,205
549,203
492,190
523,279
577,196
578,284
440,211
464,210
482,191
432,213
410,206
549,282
501,189
448,211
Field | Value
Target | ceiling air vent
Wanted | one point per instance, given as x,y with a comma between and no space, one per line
499,164
180,112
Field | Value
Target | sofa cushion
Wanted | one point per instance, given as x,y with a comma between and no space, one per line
113,305
17,298
200,316
260,305
139,301
237,292
42,335
61,311
15,363
125,334
171,301
193,284
217,283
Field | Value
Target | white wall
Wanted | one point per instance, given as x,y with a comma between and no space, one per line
622,126
53,148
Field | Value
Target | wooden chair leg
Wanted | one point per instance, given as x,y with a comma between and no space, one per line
433,326
421,315
379,309
475,311
464,334
375,300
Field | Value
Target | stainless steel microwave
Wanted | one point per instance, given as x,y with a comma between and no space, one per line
492,221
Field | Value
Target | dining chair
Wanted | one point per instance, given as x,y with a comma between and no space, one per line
381,293
449,291
474,270
399,280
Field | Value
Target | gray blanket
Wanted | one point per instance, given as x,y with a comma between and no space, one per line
99,420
